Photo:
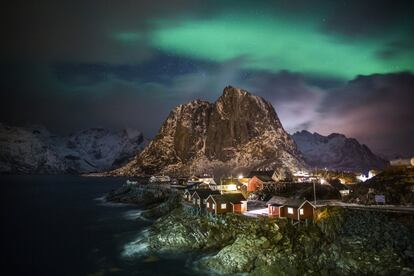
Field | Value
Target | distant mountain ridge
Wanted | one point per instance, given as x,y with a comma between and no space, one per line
336,152
34,150
237,133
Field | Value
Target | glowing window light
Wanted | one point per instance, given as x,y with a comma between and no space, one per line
232,187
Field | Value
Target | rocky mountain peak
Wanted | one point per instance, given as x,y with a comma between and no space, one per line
337,152
239,131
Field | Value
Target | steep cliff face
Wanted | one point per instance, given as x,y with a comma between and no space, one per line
337,152
237,133
34,150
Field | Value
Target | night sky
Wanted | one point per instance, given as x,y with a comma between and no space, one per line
326,66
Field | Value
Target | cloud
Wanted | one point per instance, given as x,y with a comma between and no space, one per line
376,109
295,100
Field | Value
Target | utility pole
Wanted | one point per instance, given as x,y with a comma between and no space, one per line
314,192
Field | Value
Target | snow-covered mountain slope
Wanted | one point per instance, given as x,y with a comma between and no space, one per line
237,133
34,150
336,152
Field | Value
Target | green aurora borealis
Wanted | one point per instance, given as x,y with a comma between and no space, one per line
269,43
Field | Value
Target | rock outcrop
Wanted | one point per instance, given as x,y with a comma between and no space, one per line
238,132
34,150
336,152
341,242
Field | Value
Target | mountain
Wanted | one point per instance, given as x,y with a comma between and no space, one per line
237,133
336,152
34,150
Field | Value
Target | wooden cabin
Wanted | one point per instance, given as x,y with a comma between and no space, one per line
257,179
226,203
274,205
297,210
199,197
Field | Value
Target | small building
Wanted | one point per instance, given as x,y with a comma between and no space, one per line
298,210
257,179
294,209
199,197
274,205
226,203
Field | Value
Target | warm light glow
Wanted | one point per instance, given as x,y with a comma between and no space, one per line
232,187
240,176
323,181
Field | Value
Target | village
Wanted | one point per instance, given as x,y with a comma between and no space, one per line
297,197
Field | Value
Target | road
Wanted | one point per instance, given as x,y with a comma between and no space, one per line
382,208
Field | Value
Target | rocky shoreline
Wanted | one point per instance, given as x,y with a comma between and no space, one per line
340,242
157,200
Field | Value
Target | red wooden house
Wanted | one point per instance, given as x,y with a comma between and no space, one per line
257,179
294,209
298,210
226,203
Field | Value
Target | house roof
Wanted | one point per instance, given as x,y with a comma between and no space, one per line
277,200
191,185
204,193
293,202
231,198
264,176
297,203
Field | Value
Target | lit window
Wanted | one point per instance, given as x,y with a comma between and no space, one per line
198,201
290,210
223,206
194,201
301,211
208,204
214,206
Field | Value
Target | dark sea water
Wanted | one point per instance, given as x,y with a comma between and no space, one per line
59,225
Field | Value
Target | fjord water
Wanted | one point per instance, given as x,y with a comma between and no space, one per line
59,225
